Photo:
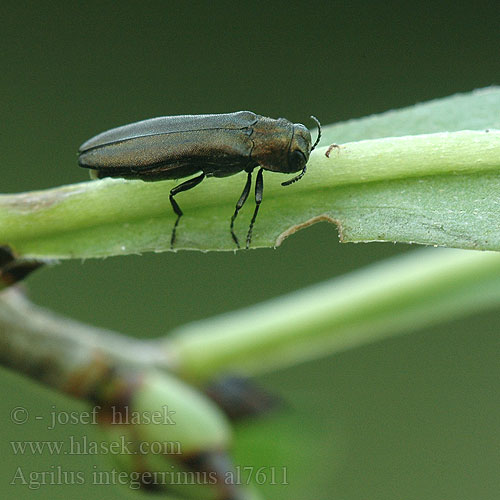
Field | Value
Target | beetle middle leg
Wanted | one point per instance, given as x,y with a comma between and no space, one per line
241,202
189,184
259,190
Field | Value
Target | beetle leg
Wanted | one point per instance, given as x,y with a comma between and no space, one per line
241,202
189,184
259,189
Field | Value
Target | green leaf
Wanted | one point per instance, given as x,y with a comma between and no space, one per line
438,188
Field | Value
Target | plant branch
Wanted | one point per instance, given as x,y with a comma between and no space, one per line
393,297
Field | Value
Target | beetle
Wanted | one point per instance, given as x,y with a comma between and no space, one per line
217,145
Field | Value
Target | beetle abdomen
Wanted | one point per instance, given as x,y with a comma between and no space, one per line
174,169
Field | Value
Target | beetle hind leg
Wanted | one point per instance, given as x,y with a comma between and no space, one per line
241,202
259,190
185,186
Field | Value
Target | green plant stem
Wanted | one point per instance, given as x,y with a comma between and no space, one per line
114,216
393,297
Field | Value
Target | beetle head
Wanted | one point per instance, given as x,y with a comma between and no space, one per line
300,149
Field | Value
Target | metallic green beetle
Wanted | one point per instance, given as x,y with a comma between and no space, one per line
173,147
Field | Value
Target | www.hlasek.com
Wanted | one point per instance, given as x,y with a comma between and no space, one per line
57,476
82,445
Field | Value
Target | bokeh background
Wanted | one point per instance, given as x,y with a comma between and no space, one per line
407,418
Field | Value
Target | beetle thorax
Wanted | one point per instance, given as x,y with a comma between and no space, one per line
271,142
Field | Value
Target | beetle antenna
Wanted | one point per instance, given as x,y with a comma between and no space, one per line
319,132
295,179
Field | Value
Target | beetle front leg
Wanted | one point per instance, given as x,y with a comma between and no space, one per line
241,202
189,184
259,190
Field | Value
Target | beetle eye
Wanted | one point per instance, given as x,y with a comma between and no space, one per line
296,160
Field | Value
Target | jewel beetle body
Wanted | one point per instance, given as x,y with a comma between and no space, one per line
218,145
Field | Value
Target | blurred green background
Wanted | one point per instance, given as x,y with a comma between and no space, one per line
408,418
